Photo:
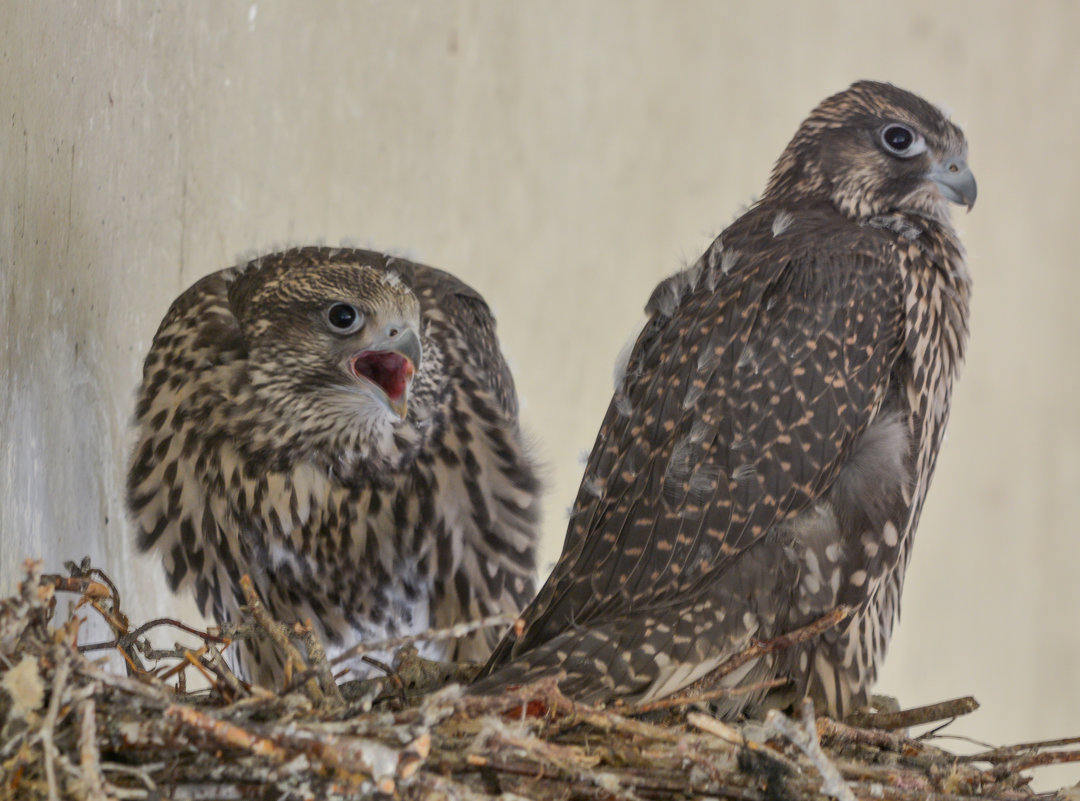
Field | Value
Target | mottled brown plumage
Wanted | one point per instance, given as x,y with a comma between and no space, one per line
767,452
340,425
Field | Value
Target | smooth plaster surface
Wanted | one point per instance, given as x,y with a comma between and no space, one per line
562,157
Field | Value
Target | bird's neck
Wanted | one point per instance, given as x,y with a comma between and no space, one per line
362,448
937,240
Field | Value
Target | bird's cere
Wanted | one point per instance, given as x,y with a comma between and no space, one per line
955,180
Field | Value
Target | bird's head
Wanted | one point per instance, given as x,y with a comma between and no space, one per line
332,350
875,149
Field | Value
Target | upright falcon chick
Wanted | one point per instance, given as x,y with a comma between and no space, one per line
766,454
341,426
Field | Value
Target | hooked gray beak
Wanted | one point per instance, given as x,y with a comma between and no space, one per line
389,363
955,180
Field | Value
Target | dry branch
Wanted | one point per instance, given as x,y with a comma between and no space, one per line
916,716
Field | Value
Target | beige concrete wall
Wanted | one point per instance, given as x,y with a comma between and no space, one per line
562,157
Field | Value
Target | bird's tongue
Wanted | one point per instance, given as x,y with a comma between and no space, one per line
389,370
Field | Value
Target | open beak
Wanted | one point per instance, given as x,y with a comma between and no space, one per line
390,364
955,180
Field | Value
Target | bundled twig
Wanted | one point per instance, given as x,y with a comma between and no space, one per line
74,728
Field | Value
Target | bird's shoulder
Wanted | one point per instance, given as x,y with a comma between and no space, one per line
198,338
809,243
202,313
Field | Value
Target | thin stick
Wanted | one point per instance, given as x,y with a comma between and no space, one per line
48,725
916,716
148,687
226,733
808,632
1013,766
280,635
876,738
135,634
139,772
218,665
700,698
80,585
434,635
89,756
317,660
1006,753
717,728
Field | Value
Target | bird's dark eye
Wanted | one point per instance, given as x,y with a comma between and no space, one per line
344,318
901,141
898,138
